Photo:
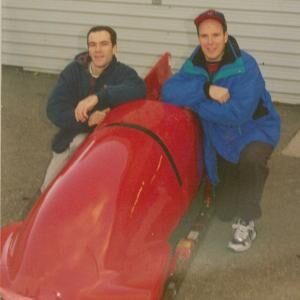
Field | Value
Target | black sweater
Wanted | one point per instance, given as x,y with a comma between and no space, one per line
116,85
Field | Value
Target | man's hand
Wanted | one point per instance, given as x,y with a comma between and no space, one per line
85,106
97,117
218,93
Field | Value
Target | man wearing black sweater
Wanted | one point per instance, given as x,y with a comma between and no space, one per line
88,87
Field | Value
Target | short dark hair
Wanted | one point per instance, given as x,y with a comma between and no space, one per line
111,31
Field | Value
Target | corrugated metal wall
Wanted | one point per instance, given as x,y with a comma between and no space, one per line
44,35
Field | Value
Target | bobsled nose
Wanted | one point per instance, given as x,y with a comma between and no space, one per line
108,289
112,291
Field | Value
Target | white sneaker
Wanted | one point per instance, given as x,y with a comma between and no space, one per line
243,235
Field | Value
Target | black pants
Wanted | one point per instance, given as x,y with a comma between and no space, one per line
239,192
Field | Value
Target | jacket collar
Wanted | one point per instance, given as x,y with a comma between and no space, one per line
84,59
231,53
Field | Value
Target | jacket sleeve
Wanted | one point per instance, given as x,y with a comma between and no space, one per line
127,86
62,101
184,89
245,92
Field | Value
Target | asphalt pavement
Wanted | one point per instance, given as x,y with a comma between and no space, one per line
270,270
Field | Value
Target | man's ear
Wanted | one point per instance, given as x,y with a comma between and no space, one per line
226,37
115,49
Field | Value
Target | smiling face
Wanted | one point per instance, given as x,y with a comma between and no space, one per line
101,49
212,39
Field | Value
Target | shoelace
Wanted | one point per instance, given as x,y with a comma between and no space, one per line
241,231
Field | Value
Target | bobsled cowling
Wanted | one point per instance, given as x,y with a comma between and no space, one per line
102,228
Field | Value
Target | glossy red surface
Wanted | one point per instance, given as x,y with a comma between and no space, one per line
157,76
101,229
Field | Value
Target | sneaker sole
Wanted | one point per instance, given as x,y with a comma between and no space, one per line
240,247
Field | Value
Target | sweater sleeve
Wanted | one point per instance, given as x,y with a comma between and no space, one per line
245,92
184,89
127,86
62,100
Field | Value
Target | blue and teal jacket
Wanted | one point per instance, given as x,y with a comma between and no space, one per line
248,116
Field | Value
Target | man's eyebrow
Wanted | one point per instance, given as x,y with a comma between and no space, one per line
106,41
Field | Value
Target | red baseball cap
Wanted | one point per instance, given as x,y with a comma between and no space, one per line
211,14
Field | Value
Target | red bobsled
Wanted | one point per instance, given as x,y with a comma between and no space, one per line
102,229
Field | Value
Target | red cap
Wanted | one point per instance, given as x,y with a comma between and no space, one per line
211,14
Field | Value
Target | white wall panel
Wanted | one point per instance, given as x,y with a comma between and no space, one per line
45,35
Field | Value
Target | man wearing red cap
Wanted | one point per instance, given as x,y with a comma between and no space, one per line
223,85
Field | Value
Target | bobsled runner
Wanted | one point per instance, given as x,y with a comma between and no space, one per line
107,227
